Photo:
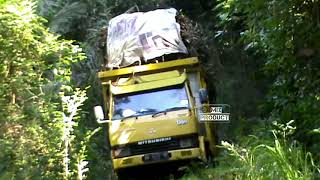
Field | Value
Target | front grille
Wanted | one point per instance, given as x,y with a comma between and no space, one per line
172,144
158,147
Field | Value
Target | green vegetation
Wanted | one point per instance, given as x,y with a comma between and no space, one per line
35,75
269,155
282,35
261,55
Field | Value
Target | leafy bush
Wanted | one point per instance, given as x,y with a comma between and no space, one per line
262,157
285,34
34,65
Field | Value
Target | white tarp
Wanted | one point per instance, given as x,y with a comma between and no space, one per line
143,36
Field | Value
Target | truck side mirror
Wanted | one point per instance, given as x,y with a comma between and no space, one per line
98,112
203,95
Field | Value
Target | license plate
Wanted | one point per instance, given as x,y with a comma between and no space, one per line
160,156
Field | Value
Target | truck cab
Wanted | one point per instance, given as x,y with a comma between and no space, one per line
152,113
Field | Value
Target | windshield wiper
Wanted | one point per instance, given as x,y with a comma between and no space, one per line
140,113
167,110
131,116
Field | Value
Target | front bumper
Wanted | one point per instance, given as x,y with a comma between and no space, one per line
174,155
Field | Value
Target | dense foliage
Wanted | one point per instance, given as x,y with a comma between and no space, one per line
286,35
35,66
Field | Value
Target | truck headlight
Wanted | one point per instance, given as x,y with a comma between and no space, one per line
187,142
121,152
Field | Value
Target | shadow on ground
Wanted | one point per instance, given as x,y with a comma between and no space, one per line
165,171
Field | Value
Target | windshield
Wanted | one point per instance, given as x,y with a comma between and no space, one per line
149,102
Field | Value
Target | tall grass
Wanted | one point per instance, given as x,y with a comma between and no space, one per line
262,157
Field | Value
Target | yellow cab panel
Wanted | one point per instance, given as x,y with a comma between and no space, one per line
153,113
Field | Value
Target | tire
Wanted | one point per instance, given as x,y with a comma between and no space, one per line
209,156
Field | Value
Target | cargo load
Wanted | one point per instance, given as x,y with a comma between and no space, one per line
140,37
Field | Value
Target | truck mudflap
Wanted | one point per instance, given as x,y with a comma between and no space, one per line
158,157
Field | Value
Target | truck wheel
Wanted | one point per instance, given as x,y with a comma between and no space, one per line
209,156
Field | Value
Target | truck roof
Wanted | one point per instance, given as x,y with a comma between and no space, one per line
148,67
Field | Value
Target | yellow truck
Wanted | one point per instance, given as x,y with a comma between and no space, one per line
152,113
